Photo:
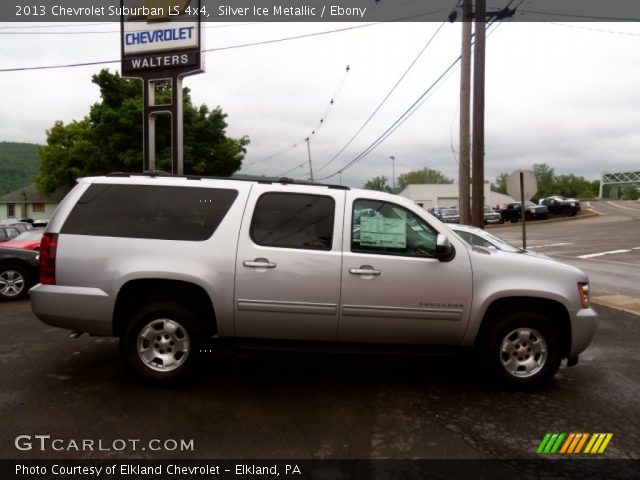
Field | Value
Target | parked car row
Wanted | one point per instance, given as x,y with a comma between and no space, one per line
545,208
562,206
452,215
512,212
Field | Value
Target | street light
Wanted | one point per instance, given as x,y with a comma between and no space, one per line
393,172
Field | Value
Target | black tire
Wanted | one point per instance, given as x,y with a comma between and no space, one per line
14,282
161,341
522,350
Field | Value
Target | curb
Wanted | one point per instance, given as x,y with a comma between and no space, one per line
622,303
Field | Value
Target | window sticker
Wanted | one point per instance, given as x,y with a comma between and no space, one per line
383,232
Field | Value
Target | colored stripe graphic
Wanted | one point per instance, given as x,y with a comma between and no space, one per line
543,443
573,443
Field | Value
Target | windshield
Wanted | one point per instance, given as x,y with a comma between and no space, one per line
481,238
497,241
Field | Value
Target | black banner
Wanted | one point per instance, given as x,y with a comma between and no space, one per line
547,469
328,10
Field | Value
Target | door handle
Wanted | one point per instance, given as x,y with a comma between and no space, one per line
364,270
259,263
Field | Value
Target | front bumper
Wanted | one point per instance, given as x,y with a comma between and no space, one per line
583,327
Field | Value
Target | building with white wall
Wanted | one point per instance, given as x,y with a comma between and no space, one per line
446,195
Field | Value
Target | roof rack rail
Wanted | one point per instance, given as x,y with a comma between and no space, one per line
282,180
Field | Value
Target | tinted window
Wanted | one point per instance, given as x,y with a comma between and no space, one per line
149,211
293,220
383,227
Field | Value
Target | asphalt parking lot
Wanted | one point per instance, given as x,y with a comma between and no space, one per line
252,404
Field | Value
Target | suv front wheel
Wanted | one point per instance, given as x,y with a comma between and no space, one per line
161,340
523,349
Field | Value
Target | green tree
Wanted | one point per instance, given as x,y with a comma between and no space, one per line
110,138
18,163
574,186
630,193
378,183
545,175
500,184
424,175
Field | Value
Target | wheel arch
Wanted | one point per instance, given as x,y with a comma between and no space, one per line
138,292
550,308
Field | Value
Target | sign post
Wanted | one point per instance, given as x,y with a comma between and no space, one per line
161,42
524,185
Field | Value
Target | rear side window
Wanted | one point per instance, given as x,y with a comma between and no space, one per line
149,211
292,220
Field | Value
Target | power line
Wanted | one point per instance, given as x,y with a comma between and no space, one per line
593,29
58,25
399,121
586,17
84,32
244,45
406,114
408,69
252,44
321,122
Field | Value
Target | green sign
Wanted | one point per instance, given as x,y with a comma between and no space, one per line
383,232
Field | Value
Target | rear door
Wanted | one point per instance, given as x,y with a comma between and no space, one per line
394,289
288,264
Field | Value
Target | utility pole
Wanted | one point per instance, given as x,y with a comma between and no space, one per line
308,140
393,172
477,152
465,116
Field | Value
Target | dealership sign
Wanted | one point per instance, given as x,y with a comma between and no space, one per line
161,35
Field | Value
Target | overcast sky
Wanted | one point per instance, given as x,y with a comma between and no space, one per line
562,93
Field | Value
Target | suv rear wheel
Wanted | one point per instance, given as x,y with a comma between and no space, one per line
523,349
161,340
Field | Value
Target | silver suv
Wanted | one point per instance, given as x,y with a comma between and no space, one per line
166,263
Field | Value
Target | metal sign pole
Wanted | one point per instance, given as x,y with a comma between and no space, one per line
524,229
177,127
176,32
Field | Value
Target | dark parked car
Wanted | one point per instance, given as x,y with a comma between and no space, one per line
7,232
531,212
437,211
450,215
565,207
490,216
18,272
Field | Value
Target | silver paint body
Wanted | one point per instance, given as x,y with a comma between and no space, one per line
296,294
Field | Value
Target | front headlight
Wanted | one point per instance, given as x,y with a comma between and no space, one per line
583,290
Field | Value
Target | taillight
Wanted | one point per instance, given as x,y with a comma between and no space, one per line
48,258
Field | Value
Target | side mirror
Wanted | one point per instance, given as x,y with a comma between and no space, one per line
444,249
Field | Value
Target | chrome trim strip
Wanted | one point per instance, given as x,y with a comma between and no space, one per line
402,312
246,305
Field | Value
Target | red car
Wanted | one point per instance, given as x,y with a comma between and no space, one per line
29,240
